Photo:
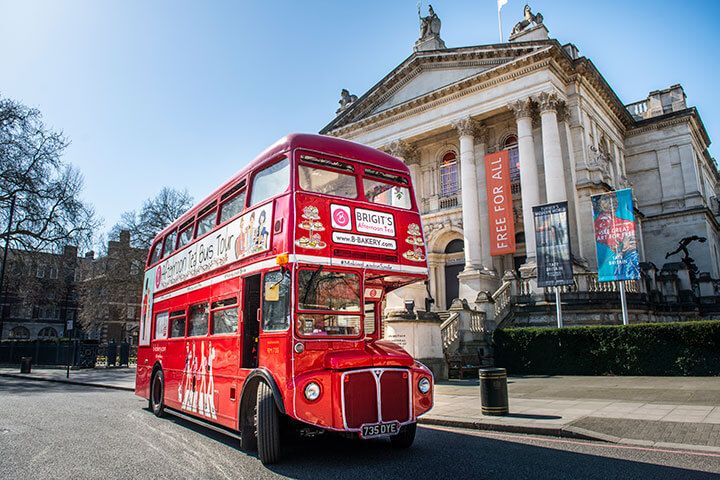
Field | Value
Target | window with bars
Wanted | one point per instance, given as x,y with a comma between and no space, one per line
511,145
449,175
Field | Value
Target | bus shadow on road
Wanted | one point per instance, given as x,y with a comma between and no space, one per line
440,454
449,454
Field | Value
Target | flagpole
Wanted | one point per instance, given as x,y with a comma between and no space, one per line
500,23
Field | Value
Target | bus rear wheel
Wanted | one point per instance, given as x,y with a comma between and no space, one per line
157,392
405,438
268,425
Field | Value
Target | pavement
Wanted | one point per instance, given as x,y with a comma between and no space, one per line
662,412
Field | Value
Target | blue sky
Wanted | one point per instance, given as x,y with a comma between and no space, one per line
155,93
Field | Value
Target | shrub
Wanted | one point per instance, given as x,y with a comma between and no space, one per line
686,348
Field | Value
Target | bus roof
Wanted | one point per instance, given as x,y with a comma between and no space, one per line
320,143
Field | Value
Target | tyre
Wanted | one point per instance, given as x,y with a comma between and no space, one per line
157,394
248,434
405,438
268,425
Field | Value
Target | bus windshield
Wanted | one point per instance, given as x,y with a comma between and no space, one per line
328,303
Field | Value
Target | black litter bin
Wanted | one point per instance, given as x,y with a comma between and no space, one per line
25,364
493,391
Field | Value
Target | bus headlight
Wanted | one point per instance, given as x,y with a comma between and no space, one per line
424,385
312,391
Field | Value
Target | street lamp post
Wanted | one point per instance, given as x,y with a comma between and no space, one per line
4,262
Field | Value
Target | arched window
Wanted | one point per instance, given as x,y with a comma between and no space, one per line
48,332
20,333
455,246
449,175
511,145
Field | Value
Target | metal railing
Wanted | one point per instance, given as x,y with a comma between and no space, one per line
448,202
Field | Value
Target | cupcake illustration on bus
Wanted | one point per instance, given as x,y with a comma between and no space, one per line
311,222
415,239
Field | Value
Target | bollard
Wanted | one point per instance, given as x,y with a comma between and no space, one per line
493,391
25,364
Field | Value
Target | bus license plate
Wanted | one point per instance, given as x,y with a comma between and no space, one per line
379,429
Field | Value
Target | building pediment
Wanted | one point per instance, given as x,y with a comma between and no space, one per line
425,72
425,79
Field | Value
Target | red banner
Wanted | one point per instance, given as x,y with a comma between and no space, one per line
500,209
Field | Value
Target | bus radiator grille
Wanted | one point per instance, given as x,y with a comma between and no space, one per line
394,396
361,398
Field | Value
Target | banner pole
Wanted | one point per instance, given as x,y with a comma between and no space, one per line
500,24
558,307
623,302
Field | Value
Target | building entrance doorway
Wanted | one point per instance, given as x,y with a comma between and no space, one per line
454,264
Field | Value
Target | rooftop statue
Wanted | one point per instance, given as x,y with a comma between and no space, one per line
528,19
430,25
345,100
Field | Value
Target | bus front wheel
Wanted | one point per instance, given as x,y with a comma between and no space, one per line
268,425
157,392
405,438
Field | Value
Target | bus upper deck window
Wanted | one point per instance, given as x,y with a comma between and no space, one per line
156,253
232,207
169,244
324,180
384,193
185,235
206,220
270,181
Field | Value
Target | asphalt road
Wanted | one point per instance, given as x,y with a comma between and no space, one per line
52,430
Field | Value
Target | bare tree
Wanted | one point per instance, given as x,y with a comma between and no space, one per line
49,212
155,214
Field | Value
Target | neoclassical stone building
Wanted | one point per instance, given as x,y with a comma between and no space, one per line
569,136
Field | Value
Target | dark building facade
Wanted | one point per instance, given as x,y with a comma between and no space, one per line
46,295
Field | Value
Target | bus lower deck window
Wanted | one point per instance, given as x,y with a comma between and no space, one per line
224,316
198,320
177,324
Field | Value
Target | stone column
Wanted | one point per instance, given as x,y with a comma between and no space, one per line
471,220
552,155
476,277
481,150
528,173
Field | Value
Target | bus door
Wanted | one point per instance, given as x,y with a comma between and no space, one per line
251,322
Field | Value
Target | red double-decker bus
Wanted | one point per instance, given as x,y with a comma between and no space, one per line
262,304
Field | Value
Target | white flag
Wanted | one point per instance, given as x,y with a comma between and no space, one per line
501,3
